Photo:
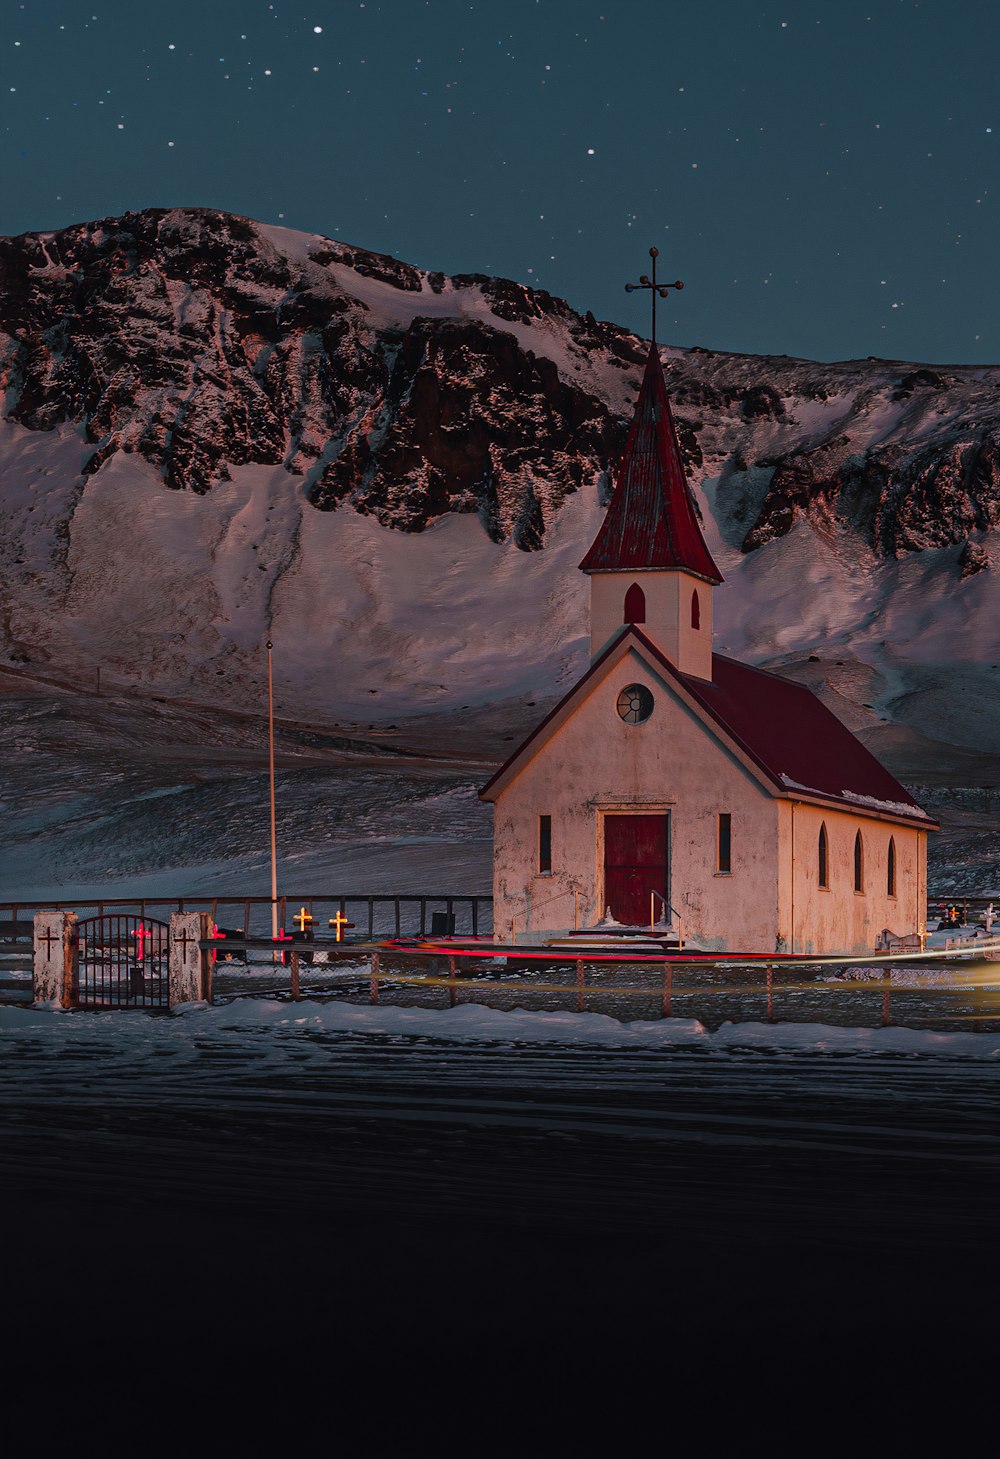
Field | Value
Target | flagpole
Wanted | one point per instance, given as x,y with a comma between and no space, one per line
270,745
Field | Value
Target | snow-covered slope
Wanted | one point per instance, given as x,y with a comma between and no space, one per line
216,431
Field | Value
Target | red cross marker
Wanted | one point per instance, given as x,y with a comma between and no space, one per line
282,936
217,934
140,941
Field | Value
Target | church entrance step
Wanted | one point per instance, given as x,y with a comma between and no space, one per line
628,939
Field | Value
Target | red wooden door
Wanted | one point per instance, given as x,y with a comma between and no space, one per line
635,864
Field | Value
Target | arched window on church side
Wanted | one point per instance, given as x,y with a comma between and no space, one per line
695,610
824,857
635,605
859,863
890,877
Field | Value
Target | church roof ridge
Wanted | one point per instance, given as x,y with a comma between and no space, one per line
651,521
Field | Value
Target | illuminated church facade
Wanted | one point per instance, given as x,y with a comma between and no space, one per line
678,786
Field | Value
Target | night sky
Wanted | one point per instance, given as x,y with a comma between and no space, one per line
821,173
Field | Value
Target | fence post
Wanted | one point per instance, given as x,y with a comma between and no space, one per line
54,960
373,987
189,975
294,959
452,990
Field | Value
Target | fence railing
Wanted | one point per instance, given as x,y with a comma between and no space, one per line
967,909
369,914
669,979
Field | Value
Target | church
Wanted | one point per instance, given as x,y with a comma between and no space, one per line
675,786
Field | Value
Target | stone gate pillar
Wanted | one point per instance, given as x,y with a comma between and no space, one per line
54,963
189,971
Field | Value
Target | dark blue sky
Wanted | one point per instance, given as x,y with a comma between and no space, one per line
822,175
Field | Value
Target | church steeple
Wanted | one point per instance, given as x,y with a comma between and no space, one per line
649,562
650,524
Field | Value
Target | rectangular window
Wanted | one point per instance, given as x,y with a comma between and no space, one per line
544,843
725,842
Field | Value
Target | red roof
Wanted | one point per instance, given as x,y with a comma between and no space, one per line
798,744
651,522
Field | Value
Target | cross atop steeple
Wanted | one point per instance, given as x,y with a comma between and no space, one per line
645,282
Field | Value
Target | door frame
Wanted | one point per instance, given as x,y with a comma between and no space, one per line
632,808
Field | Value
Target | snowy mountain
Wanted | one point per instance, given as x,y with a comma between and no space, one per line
217,431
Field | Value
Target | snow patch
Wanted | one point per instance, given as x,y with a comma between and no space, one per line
248,1019
893,807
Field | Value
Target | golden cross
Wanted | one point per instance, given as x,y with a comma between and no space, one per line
339,922
302,918
645,282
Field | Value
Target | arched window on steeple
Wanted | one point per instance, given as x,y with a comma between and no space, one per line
635,605
859,863
890,878
824,857
695,610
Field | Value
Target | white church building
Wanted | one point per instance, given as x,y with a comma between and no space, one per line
672,784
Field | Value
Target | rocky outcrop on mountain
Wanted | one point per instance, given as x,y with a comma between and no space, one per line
899,498
188,338
906,459
463,419
973,558
202,342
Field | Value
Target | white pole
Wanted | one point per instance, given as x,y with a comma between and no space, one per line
270,744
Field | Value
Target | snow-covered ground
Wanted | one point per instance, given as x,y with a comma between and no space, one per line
174,594
275,1034
119,797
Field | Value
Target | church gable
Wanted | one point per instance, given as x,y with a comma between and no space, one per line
778,731
627,688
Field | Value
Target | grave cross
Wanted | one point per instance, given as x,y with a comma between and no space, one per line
282,936
645,282
302,918
338,923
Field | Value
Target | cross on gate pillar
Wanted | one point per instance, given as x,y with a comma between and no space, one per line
190,969
54,961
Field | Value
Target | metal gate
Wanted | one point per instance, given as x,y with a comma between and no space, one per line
121,962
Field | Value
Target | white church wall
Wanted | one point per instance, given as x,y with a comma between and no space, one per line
668,615
596,765
837,918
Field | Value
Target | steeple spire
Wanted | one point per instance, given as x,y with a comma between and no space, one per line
651,522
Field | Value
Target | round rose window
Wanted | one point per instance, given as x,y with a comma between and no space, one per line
635,704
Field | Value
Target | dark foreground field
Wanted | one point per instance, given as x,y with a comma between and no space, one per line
402,1232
